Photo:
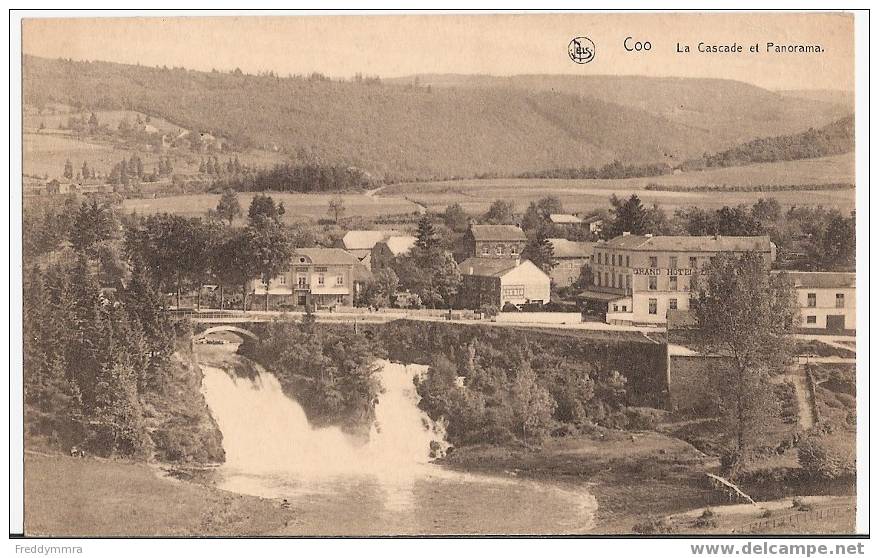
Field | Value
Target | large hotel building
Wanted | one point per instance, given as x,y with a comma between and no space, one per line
640,278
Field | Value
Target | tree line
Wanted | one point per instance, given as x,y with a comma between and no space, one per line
288,177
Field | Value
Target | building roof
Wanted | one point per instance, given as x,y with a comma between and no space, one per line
565,219
497,232
400,244
821,279
690,243
487,267
365,240
325,256
594,219
564,248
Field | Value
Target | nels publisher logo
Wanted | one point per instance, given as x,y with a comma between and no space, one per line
581,50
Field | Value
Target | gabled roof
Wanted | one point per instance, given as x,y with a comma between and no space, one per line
487,267
564,248
324,256
821,279
365,240
690,243
497,232
400,244
565,219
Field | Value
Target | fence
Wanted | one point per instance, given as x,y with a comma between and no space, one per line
794,519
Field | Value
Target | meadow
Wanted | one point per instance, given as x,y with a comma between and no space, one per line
297,206
475,196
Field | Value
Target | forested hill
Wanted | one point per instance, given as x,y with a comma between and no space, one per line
731,111
397,130
834,139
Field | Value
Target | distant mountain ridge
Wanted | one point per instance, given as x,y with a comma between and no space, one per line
433,130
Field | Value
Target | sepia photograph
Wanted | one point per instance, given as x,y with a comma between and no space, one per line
396,274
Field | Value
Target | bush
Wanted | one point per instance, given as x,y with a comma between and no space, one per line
800,505
644,418
708,520
653,526
825,458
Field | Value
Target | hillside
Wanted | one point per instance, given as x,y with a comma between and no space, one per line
835,138
400,131
731,111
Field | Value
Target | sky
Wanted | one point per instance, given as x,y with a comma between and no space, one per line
498,44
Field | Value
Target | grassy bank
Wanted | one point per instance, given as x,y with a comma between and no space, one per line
66,496
652,475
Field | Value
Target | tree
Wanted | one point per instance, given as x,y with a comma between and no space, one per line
532,404
235,264
68,170
537,214
380,290
499,213
628,216
228,207
336,208
94,223
539,251
744,314
837,244
455,218
262,207
86,171
270,249
426,236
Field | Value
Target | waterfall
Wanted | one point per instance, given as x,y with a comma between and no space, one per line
264,431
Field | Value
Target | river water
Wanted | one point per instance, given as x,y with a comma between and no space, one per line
339,485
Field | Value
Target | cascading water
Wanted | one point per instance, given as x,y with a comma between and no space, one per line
385,485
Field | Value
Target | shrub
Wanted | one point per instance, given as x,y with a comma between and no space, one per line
708,520
824,458
644,418
653,526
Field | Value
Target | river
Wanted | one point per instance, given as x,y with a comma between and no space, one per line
338,485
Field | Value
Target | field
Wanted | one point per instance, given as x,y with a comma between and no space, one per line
96,497
585,195
298,206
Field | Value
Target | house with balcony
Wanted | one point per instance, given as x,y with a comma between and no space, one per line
317,277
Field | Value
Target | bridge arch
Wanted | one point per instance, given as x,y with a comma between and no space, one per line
229,328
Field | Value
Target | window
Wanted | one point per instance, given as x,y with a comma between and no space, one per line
597,280
673,262
598,257
518,292
613,280
499,250
651,306
340,280
321,269
653,261
693,263
485,250
320,279
627,261
513,250
301,281
651,282
624,307
673,283
628,281
616,308
672,304
811,300
620,283
282,279
606,280
811,319
840,300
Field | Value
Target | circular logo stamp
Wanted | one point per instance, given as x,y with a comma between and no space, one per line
581,50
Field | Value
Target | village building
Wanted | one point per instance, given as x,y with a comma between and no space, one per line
360,243
595,223
825,300
495,241
570,257
637,279
317,277
384,252
500,281
565,219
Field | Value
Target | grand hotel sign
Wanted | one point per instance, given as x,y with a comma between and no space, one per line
662,271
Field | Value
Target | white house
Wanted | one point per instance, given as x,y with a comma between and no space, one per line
826,300
496,282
